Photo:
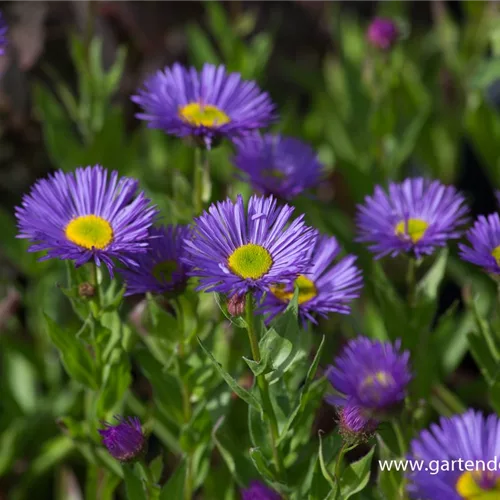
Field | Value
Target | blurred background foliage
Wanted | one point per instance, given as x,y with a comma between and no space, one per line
428,107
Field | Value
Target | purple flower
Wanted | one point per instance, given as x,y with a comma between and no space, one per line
450,445
415,216
87,215
278,165
382,33
484,238
124,441
236,249
160,270
354,425
3,34
208,104
259,491
325,286
370,375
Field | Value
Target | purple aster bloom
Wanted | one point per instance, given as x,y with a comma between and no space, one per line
235,250
354,425
326,285
3,35
87,215
416,216
382,33
160,270
259,491
371,375
484,237
278,165
124,441
468,437
208,104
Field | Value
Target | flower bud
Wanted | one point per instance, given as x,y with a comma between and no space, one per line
125,441
86,290
382,33
236,305
354,426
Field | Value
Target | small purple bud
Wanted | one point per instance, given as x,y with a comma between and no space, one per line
236,305
125,441
382,33
259,491
354,426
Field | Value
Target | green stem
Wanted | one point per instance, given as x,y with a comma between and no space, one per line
150,480
201,176
450,400
338,464
400,437
94,279
263,386
411,281
186,406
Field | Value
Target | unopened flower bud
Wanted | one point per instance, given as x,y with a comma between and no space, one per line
354,426
125,441
382,33
86,290
236,305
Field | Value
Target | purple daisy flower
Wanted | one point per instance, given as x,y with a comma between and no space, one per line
382,33
207,104
484,238
371,375
326,285
87,215
469,444
354,425
235,250
259,491
3,34
160,270
416,216
278,165
124,441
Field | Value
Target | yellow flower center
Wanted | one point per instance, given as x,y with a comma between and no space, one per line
273,173
307,290
89,231
163,270
250,261
383,378
469,487
496,254
414,228
205,115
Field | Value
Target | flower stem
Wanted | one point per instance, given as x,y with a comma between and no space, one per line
449,399
340,457
399,436
263,386
411,282
94,279
201,176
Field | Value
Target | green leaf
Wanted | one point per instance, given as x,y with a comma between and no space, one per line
304,393
156,467
429,284
133,485
324,464
356,475
174,487
75,356
242,393
262,465
116,380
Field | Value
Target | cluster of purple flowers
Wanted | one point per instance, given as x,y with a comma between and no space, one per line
259,248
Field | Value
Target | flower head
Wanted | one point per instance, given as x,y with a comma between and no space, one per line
235,250
277,165
124,441
371,375
325,286
382,33
207,104
3,34
160,270
468,437
259,491
484,238
87,215
414,216
354,425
